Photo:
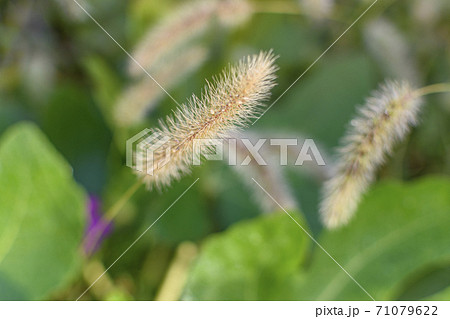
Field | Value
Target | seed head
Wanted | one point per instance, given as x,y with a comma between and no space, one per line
385,119
185,24
391,51
226,104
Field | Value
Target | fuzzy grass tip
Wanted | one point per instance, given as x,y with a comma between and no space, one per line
385,119
226,104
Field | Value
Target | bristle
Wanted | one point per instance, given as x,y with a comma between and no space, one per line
227,104
385,119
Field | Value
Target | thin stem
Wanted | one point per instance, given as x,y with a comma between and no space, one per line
91,270
287,8
433,88
115,209
177,273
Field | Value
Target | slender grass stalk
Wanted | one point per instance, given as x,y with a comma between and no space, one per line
433,88
112,212
93,269
117,207
176,276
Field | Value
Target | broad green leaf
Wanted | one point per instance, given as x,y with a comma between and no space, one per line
443,295
75,126
399,229
426,282
250,261
41,216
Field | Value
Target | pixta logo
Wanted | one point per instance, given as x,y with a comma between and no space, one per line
148,151
142,150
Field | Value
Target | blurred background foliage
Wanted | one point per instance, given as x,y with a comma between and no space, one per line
60,79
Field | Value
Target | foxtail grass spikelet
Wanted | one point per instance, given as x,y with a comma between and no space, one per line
385,119
141,97
317,9
226,104
182,26
231,13
429,13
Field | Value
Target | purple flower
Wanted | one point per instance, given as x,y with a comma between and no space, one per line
97,228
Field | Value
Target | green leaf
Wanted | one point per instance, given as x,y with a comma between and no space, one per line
75,126
106,83
41,216
443,295
179,224
250,261
399,229
426,283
